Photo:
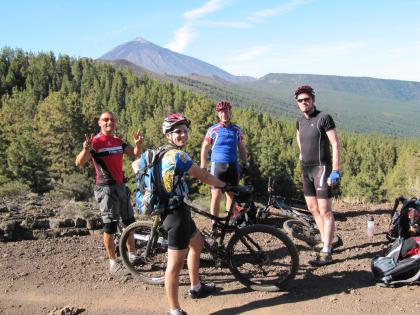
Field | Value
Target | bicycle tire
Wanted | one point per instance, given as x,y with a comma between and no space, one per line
117,246
262,257
149,269
285,212
117,238
304,232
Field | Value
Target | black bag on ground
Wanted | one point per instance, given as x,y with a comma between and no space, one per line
406,222
400,264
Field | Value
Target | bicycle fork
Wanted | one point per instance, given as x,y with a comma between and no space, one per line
152,237
255,249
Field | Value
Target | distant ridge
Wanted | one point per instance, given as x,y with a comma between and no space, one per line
137,70
382,88
165,61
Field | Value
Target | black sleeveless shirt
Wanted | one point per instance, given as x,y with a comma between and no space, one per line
314,142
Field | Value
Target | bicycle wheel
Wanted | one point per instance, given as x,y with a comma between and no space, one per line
117,244
117,238
262,258
302,231
305,232
149,268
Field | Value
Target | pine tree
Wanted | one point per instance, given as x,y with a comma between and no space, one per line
60,130
26,161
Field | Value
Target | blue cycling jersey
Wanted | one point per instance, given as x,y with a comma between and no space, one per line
224,142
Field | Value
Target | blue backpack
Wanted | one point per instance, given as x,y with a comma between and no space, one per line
149,197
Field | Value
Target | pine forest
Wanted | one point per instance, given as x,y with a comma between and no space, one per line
48,104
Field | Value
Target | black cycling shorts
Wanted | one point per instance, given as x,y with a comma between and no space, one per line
227,172
180,227
315,181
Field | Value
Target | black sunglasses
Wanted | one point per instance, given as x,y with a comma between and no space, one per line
306,99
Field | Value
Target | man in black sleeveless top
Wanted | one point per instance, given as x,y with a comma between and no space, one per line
316,133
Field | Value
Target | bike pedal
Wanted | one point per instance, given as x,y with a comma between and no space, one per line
218,263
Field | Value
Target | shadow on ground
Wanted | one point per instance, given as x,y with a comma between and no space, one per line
299,290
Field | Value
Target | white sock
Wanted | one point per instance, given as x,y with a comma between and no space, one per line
196,287
112,263
326,249
131,255
178,311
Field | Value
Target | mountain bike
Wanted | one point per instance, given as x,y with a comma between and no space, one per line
296,221
259,256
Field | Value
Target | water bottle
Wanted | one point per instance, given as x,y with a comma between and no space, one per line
370,226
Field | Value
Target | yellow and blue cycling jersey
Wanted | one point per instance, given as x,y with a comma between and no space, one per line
173,166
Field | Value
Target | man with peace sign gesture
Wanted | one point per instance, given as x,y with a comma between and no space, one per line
106,151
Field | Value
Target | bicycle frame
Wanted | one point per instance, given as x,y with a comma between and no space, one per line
279,202
248,252
153,233
222,223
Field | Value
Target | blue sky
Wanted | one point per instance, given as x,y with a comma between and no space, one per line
376,38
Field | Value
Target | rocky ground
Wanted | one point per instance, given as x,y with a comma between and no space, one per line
68,275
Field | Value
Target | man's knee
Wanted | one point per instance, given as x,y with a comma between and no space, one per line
110,228
216,197
216,193
327,214
324,206
229,195
174,266
312,205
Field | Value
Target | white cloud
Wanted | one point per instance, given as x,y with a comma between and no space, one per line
412,49
345,58
258,16
209,7
226,24
313,58
187,32
249,54
285,7
183,37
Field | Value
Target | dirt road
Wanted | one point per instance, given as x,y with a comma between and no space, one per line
38,276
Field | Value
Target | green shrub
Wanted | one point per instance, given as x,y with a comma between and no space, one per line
73,209
74,186
13,188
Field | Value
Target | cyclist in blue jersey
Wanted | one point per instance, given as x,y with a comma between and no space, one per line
184,240
224,139
316,136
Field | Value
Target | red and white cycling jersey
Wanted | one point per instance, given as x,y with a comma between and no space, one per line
107,155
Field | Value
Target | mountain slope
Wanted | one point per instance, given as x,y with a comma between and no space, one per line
371,87
164,61
357,104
